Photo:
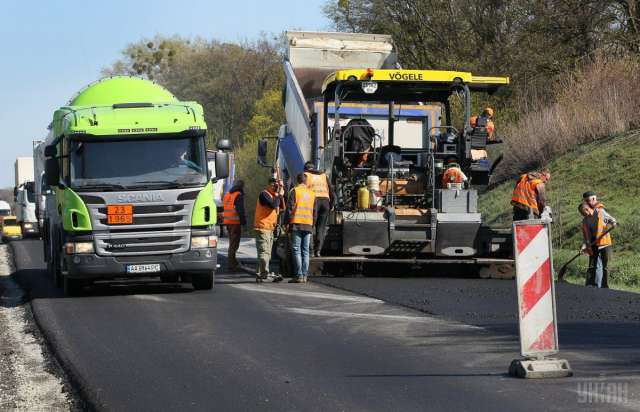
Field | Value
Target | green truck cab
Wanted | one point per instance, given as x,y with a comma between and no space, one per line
132,193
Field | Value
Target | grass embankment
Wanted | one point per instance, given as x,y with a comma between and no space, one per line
609,167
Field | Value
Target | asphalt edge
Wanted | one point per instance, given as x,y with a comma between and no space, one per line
80,399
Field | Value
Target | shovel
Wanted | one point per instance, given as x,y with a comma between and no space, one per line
563,269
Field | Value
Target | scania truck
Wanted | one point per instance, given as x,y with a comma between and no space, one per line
132,193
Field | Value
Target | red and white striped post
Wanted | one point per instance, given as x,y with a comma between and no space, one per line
536,302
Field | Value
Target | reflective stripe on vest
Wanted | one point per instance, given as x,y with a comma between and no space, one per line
230,214
600,229
525,194
302,212
318,184
266,217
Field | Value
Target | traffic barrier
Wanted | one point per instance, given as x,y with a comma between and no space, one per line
536,302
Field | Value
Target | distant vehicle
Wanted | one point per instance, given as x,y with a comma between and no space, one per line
5,209
10,229
133,194
23,170
26,209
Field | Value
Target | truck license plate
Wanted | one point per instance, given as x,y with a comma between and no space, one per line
149,268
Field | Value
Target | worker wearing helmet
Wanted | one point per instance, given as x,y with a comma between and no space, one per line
484,120
453,176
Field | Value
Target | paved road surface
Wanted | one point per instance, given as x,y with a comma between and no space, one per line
280,347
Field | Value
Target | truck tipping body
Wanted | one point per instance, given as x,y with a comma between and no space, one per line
352,111
128,167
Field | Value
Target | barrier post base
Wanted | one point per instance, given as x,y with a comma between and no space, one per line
540,368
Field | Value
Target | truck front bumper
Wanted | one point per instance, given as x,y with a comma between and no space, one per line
92,266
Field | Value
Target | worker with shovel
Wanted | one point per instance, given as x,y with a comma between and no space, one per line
597,239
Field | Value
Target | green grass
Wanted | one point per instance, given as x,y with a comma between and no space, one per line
609,167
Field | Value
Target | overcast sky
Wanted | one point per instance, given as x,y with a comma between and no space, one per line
52,48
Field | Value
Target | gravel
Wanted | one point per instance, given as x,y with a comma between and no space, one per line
30,380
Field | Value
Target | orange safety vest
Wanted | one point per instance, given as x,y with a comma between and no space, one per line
525,195
302,212
600,229
230,215
318,184
490,126
452,175
266,218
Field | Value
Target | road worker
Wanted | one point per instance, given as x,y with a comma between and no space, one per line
269,204
300,226
234,219
597,243
318,182
484,120
453,177
529,195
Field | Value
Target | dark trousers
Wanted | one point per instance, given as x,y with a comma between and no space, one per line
235,231
321,210
605,257
520,214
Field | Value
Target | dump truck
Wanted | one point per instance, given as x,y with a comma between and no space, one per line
131,189
373,126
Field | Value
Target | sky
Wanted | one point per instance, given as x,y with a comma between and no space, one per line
50,49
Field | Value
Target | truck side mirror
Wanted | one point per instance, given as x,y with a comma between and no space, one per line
263,147
52,172
50,151
222,165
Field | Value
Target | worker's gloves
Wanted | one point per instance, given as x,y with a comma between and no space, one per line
583,249
547,214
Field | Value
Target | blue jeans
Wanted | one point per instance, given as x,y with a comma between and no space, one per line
300,241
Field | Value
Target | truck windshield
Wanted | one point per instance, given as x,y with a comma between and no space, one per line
136,164
9,222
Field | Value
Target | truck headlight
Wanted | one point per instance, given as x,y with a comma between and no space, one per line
202,242
28,225
74,248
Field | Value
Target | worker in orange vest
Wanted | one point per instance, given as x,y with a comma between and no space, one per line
234,218
319,183
453,176
596,244
300,225
269,204
484,120
529,199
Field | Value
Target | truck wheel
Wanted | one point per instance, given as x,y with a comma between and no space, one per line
203,281
72,287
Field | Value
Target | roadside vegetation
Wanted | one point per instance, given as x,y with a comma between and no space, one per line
609,167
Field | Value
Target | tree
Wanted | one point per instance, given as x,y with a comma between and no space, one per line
149,58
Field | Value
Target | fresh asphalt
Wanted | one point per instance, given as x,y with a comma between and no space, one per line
137,346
